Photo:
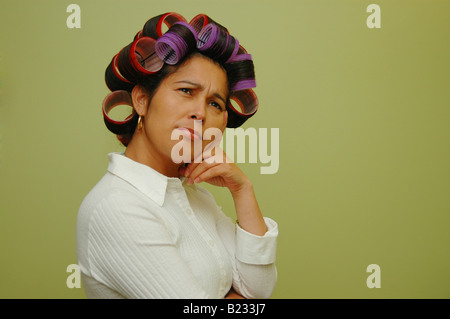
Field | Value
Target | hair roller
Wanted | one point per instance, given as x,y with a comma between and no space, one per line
231,48
179,40
138,35
217,43
138,59
208,38
201,20
248,104
153,27
124,65
243,84
241,50
235,50
241,72
143,57
114,80
125,127
241,57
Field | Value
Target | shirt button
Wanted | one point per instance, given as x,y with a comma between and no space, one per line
211,243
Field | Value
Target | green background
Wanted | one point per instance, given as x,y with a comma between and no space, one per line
364,175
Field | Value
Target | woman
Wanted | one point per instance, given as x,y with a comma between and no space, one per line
147,229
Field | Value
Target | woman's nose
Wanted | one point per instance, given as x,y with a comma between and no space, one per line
197,111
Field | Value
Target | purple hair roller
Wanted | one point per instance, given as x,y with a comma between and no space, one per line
240,57
244,84
235,51
170,48
207,37
174,44
190,27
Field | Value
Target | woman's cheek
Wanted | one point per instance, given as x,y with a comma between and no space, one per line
224,119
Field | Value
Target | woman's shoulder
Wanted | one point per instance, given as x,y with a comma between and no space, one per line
105,188
112,194
115,207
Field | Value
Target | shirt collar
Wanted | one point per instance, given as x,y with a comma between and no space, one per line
142,177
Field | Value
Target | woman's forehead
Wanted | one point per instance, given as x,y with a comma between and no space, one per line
202,70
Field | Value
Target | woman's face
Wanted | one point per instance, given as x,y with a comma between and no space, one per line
197,91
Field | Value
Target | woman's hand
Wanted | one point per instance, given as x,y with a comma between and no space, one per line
217,169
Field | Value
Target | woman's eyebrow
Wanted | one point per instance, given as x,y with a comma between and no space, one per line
220,97
190,83
199,86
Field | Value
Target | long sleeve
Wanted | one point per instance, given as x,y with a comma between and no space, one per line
254,270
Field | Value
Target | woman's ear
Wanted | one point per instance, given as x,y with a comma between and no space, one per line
140,98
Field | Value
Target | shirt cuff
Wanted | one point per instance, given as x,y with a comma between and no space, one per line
257,250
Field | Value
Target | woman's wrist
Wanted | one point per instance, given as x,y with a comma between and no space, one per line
244,189
248,213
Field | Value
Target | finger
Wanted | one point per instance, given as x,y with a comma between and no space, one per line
209,173
200,169
214,155
198,159
189,168
182,170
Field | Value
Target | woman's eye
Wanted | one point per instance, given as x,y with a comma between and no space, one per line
216,105
185,90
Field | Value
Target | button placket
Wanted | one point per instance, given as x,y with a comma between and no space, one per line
181,196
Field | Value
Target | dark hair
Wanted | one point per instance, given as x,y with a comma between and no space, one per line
153,56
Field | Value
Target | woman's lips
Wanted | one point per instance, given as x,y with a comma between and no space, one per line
190,133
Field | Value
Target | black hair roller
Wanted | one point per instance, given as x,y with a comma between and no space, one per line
125,127
114,80
153,27
248,104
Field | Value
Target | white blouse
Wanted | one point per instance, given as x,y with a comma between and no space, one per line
141,234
